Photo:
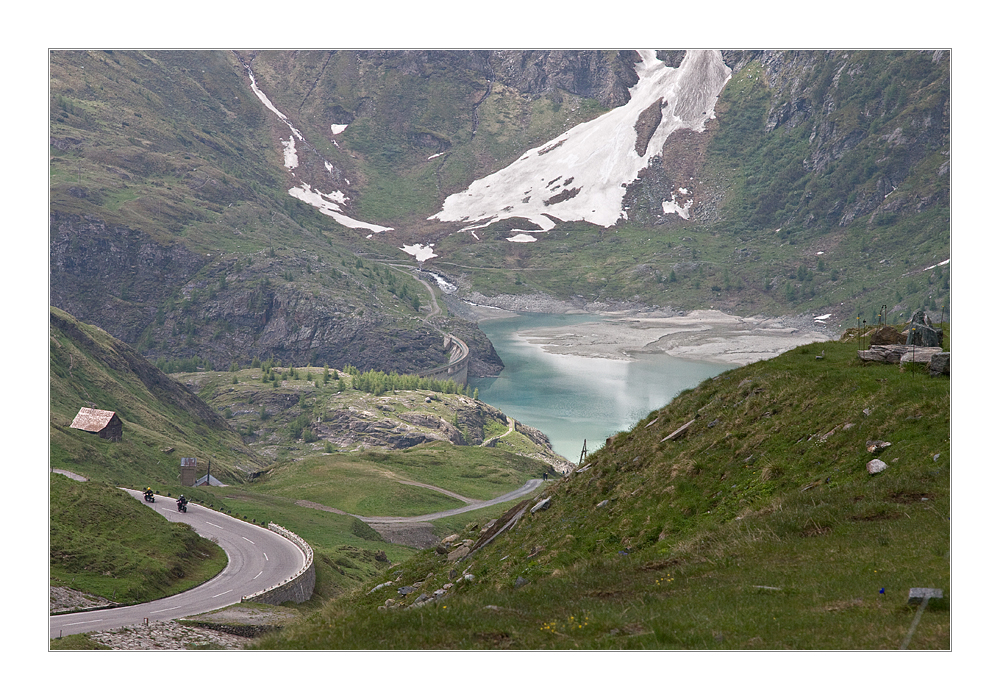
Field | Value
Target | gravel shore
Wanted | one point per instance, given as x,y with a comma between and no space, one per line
707,336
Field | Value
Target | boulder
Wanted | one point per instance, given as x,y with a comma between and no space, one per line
922,333
887,335
877,465
459,553
940,364
894,354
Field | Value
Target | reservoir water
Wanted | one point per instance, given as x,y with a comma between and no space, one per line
572,398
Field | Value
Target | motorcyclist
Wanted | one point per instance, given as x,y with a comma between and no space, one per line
148,492
182,501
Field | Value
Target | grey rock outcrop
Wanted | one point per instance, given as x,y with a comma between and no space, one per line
940,364
887,335
894,354
921,333
604,76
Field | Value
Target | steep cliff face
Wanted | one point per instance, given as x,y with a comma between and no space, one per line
605,76
171,227
835,135
297,309
113,277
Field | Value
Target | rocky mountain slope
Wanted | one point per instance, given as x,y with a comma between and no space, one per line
279,203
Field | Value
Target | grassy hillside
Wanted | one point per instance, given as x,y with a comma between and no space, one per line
759,528
288,413
105,542
162,420
373,482
303,446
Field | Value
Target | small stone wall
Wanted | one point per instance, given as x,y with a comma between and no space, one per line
299,588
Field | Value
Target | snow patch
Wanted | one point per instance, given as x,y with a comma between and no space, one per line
672,207
522,238
267,103
330,204
822,318
945,262
291,157
434,156
420,251
600,154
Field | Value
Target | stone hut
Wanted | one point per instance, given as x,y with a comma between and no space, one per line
105,424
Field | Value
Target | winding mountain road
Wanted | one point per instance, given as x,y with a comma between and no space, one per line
258,559
528,487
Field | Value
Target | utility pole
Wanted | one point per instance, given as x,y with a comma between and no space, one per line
583,454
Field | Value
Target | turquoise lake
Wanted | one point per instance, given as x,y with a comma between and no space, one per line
572,398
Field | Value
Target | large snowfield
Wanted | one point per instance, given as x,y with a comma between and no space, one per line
581,175
599,157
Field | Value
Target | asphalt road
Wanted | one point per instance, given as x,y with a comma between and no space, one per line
258,559
528,487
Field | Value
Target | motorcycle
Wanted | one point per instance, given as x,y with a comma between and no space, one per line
182,506
149,498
